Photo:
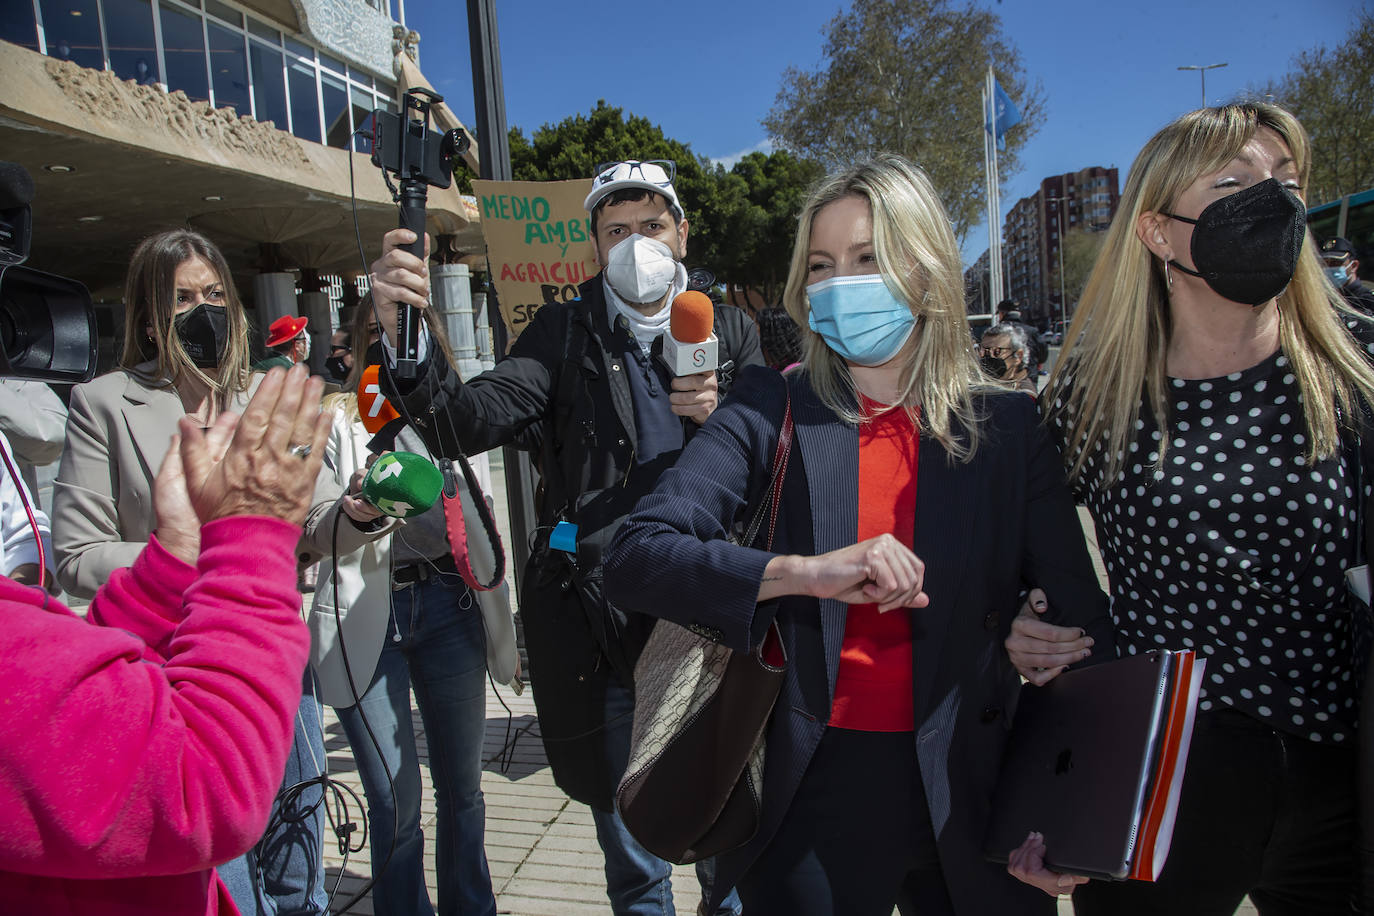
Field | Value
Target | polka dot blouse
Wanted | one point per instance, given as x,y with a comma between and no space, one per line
1237,548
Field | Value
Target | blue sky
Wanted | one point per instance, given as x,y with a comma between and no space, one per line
709,74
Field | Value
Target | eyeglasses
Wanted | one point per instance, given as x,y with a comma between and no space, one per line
659,172
996,352
335,348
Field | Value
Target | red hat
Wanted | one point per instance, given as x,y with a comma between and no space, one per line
283,329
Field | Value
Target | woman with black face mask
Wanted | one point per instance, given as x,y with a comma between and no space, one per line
1205,417
1005,353
186,353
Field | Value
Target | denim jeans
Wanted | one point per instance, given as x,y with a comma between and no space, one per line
287,878
434,643
638,883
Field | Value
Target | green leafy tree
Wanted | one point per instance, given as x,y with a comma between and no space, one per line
776,184
575,146
1329,90
906,76
1080,253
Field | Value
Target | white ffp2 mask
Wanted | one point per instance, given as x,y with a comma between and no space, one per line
641,269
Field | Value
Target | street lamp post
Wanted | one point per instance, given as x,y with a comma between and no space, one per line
1059,226
1202,71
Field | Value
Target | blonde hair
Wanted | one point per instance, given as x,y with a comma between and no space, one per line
919,259
1120,333
150,302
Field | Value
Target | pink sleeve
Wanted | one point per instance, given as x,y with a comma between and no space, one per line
112,765
145,598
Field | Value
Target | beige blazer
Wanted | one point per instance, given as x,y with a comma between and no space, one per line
352,603
118,428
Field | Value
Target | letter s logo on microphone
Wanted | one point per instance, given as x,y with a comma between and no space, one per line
699,357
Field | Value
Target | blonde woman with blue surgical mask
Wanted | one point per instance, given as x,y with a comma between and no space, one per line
902,544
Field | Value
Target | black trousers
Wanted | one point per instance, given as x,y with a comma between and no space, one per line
857,839
1263,813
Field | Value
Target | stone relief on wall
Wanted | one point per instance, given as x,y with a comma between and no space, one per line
101,94
350,29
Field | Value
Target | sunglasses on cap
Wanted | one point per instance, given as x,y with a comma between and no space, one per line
655,171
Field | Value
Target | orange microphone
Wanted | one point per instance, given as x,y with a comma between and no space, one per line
373,406
689,344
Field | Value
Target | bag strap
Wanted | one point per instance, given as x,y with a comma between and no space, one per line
456,524
769,506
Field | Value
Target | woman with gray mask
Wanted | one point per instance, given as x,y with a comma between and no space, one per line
1206,413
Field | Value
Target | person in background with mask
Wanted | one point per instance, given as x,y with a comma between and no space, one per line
288,342
1005,353
582,383
339,363
185,355
1344,270
1205,417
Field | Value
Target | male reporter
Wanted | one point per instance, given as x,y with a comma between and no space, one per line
582,384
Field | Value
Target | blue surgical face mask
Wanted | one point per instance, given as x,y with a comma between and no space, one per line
1339,275
859,318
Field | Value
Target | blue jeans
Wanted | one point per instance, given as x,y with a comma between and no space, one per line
638,883
287,878
434,644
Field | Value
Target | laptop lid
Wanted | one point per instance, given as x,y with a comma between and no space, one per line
1079,763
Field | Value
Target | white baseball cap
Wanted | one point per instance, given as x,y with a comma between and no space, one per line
651,174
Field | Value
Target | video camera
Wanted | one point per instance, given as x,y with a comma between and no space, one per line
403,145
47,322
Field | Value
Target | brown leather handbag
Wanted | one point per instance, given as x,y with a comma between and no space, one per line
693,786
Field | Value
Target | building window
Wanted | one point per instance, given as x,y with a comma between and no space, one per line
229,67
133,46
305,103
269,88
18,25
211,51
335,99
183,45
72,30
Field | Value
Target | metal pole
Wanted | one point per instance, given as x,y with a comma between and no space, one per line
493,150
1202,71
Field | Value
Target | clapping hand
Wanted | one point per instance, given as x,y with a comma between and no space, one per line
270,464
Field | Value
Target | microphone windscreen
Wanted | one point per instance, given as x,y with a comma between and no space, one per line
373,407
16,185
692,317
402,484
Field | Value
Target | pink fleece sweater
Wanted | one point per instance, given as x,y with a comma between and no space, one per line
142,747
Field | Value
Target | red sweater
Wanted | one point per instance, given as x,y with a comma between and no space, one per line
873,690
143,746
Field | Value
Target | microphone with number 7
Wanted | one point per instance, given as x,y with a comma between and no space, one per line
689,344
400,484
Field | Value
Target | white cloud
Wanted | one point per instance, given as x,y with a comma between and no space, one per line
728,162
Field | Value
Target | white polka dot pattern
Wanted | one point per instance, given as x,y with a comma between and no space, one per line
1236,547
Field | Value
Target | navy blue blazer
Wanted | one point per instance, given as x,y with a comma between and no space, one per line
985,529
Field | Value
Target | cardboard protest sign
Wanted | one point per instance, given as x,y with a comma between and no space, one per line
538,244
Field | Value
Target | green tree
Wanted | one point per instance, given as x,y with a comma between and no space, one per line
906,76
776,185
1329,90
1080,253
575,146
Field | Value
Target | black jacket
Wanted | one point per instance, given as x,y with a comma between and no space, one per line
563,393
985,530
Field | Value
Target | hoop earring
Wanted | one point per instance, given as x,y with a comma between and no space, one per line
1168,278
